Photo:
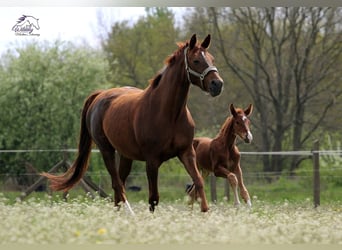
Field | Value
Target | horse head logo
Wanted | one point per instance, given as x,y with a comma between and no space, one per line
25,25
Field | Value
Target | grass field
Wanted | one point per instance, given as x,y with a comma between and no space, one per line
48,220
282,213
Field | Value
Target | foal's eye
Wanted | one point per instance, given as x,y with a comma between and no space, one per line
196,61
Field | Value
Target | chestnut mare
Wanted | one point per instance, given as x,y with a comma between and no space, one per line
221,156
151,125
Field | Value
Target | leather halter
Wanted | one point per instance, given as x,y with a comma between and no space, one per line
192,72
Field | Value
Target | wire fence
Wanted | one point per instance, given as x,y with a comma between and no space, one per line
301,184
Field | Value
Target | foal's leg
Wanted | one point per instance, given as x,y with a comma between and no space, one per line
243,190
221,171
152,168
188,158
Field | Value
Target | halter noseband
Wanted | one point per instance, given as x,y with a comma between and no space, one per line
190,71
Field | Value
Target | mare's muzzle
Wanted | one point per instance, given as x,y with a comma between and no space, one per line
215,87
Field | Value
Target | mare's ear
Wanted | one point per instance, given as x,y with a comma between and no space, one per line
206,42
232,110
193,41
248,111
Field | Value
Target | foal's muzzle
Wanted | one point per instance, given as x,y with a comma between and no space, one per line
249,137
215,87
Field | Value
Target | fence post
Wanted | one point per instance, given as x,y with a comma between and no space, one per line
316,175
213,193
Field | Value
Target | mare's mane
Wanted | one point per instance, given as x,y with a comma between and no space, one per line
169,61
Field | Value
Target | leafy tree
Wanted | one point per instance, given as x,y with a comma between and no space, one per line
42,88
136,53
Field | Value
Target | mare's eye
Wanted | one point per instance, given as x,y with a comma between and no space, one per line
196,61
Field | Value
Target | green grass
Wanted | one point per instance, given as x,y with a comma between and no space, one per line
82,220
284,189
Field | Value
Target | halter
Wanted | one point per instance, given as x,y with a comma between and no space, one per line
190,71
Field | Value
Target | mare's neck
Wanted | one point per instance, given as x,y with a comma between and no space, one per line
172,90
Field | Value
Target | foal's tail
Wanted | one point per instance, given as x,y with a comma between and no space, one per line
76,171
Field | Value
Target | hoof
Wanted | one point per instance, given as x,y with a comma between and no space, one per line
153,206
205,209
237,204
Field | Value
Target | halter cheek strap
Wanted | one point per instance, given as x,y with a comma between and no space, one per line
192,72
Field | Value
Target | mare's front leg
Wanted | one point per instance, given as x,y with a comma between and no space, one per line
191,190
221,171
188,158
243,190
152,168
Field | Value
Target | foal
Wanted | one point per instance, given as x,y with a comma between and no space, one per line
221,156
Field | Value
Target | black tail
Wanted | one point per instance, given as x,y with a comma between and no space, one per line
189,188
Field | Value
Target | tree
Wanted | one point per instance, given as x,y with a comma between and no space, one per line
136,53
42,88
210,113
287,59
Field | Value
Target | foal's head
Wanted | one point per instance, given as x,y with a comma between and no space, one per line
241,122
200,68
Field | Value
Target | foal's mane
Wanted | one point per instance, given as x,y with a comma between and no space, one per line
227,125
170,60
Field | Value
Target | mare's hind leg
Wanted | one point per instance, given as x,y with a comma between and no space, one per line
125,168
109,160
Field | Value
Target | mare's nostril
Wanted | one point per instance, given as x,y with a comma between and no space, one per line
214,83
217,83
215,87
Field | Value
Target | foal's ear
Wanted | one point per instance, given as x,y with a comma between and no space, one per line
232,110
248,111
193,41
206,42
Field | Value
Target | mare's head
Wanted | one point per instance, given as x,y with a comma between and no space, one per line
199,66
241,122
